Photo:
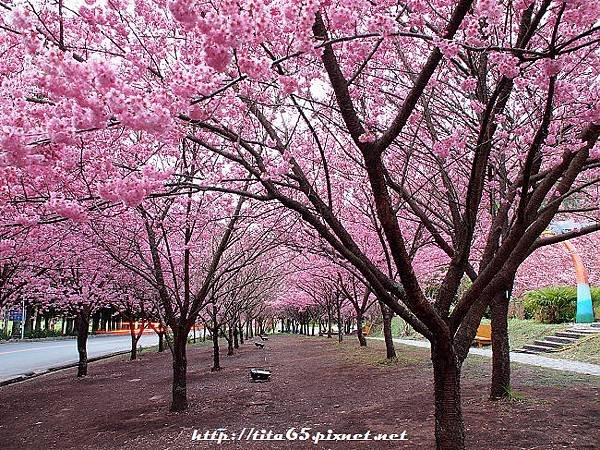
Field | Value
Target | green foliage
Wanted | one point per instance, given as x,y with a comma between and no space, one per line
4,336
514,396
432,288
42,334
555,304
465,285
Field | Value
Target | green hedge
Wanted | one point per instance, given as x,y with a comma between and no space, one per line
42,334
556,304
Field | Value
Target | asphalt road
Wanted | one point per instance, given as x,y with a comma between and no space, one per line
17,358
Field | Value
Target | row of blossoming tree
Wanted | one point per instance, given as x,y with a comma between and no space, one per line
185,141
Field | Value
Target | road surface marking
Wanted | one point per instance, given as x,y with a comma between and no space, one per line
33,349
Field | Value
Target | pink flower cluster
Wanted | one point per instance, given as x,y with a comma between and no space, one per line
342,18
367,137
443,147
13,152
289,84
507,65
68,209
6,248
448,48
134,189
184,12
551,67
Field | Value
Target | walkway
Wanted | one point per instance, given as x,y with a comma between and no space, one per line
566,365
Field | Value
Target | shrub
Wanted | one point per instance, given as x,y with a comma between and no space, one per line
42,334
555,304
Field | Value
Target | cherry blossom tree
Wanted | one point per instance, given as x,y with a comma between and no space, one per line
74,282
134,302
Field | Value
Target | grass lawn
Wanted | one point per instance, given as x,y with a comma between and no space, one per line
586,349
526,331
400,329
521,332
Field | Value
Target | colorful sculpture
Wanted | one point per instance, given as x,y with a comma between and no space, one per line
585,310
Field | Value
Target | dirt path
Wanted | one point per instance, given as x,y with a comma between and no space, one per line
316,383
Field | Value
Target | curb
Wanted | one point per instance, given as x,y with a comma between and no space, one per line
29,375
55,338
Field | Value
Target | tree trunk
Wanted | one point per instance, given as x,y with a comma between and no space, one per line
387,331
133,354
241,332
104,321
179,401
329,321
449,425
69,327
359,330
236,342
500,386
134,340
215,338
229,341
161,341
340,325
15,330
82,323
95,321
38,321
28,319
